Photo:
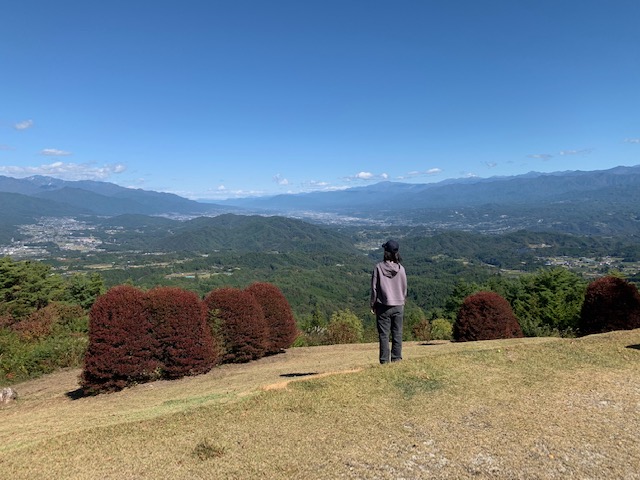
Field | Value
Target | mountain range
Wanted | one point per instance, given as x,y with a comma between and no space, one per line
89,197
531,188
585,202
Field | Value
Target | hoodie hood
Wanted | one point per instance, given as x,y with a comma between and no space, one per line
390,269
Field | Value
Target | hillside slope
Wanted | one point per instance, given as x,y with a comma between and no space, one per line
525,408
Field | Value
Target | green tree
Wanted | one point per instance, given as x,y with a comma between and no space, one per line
549,302
26,286
461,290
318,318
414,316
84,289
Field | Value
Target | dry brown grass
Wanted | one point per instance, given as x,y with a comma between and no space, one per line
522,408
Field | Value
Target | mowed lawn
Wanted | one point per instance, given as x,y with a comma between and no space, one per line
539,408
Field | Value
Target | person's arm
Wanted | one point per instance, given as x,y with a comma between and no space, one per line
404,283
374,289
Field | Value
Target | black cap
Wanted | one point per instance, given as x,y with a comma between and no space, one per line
391,246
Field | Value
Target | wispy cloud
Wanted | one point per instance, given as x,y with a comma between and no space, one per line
632,140
541,156
491,164
415,173
66,171
584,151
317,184
24,125
548,156
280,180
54,152
221,192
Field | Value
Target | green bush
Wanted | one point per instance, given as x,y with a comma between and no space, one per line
22,360
344,327
441,329
312,337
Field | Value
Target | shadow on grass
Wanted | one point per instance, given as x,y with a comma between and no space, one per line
76,394
635,347
298,374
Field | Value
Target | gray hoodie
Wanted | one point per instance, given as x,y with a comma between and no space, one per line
388,284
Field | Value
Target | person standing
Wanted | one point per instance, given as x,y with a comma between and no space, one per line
388,295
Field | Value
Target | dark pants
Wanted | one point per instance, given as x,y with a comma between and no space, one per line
389,321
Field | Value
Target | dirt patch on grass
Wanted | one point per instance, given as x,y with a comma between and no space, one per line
303,376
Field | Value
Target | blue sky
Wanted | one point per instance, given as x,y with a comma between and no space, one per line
218,99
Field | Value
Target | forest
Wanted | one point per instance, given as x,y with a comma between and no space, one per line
324,273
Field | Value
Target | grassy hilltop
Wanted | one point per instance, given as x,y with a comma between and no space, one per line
525,408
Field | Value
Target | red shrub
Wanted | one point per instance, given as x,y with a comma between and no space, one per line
37,325
237,318
281,324
6,320
179,322
41,322
422,330
122,347
610,303
485,316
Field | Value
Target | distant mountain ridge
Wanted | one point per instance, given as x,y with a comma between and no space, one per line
584,202
102,198
541,188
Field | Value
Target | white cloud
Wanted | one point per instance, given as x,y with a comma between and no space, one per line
280,180
24,125
433,171
384,176
491,164
632,140
363,176
66,171
54,152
